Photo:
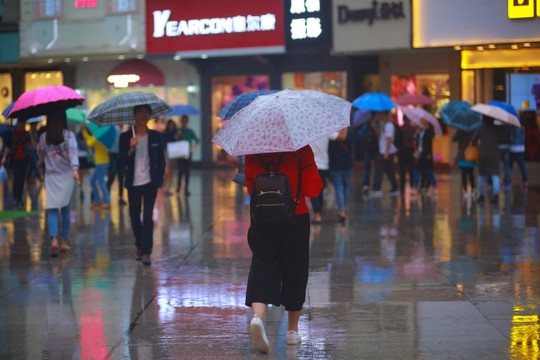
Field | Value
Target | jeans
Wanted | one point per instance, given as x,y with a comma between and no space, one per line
519,157
505,158
369,157
317,201
482,179
98,176
183,167
143,231
52,221
340,180
387,167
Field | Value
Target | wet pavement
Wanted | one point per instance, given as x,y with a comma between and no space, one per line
425,277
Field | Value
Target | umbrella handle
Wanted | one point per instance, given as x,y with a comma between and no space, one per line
133,130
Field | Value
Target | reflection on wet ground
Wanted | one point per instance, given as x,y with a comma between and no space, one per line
424,277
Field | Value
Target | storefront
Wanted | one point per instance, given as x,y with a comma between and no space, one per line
498,44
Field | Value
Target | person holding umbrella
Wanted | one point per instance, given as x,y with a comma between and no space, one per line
18,147
58,149
101,161
488,157
142,153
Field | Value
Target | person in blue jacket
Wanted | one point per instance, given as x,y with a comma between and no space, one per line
142,154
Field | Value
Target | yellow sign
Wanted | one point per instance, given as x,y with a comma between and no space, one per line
521,9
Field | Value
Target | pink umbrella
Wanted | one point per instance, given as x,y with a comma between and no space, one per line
414,99
42,100
283,121
417,114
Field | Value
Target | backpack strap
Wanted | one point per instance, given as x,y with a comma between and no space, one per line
282,155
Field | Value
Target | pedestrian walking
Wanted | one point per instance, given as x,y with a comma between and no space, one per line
463,139
517,154
369,144
387,152
171,134
32,171
142,153
320,152
184,165
424,178
505,138
488,157
101,160
86,160
406,159
58,149
279,266
115,171
18,151
341,164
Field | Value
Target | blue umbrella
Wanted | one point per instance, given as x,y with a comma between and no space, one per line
183,110
241,101
458,114
6,111
374,102
505,107
361,117
104,134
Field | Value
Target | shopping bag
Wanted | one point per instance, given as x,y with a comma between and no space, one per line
3,174
471,153
178,149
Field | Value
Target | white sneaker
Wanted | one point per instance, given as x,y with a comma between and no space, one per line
375,193
258,335
293,338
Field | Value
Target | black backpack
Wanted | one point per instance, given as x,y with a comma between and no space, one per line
271,198
368,140
398,136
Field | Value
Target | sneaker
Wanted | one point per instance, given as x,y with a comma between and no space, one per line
145,259
293,338
375,193
258,335
365,189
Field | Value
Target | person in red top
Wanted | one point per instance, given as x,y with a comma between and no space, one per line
18,147
280,260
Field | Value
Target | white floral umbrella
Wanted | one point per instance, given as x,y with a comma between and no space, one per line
283,121
496,113
417,114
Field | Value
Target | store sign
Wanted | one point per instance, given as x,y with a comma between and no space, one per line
370,25
522,9
307,23
192,28
377,11
86,3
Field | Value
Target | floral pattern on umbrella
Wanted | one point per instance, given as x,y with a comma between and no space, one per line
284,121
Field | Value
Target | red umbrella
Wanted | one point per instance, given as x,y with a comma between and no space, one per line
414,99
42,100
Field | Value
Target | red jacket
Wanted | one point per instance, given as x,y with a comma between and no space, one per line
311,184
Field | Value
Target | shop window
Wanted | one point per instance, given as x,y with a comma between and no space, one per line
331,82
37,79
226,88
122,6
48,9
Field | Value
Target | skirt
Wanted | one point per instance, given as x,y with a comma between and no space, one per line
58,190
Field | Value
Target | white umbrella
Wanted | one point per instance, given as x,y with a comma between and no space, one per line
417,114
283,121
497,113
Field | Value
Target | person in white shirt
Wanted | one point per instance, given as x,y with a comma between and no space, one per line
387,152
320,151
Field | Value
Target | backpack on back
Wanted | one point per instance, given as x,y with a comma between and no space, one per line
271,198
398,136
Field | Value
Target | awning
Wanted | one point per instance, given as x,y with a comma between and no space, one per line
135,73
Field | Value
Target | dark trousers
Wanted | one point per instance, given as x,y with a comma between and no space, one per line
19,176
406,165
467,172
144,232
279,266
317,202
386,167
183,166
113,170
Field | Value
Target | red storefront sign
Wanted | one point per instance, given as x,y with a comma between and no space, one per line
194,27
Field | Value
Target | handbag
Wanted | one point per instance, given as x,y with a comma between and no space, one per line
471,153
178,149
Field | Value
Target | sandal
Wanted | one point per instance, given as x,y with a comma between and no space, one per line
64,248
54,247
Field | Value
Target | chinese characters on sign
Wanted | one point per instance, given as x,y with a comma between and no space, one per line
237,24
306,26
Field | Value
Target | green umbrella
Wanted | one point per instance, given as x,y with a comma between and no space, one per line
75,116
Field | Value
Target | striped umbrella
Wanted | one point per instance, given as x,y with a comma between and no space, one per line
241,101
119,109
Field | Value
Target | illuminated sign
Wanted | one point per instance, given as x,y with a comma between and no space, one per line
384,11
122,81
307,23
86,3
522,9
205,27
